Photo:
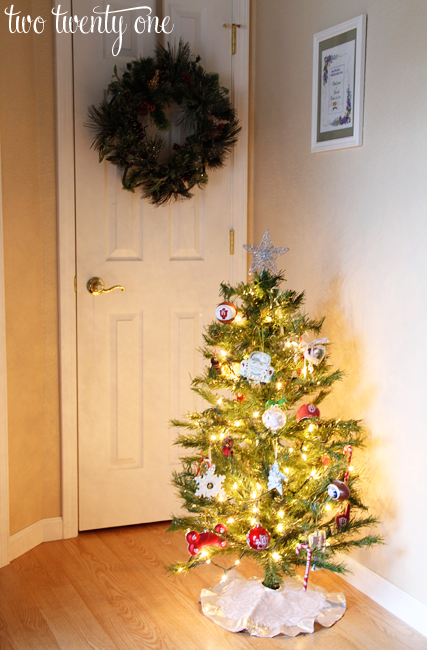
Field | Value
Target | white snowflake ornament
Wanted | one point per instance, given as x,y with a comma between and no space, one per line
275,478
210,484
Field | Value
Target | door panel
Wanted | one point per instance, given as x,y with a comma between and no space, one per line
137,349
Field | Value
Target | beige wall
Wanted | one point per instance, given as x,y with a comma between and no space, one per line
27,132
355,221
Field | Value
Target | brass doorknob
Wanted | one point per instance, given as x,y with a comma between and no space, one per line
96,286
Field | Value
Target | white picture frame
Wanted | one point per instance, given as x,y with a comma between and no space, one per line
338,86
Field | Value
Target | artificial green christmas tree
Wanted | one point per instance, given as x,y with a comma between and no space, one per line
265,475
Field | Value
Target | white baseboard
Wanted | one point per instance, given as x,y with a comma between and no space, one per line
410,610
45,530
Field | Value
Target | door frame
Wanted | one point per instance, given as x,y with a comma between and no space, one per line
67,307
4,457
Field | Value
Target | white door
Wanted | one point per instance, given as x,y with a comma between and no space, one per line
137,349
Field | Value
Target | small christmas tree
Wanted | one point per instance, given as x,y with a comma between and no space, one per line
266,475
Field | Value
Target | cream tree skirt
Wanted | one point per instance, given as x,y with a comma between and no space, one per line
238,604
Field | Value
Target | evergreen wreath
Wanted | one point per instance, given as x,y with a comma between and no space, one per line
138,101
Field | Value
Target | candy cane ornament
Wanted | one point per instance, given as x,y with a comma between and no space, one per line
307,564
348,449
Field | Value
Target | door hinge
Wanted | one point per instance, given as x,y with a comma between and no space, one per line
233,35
75,284
231,242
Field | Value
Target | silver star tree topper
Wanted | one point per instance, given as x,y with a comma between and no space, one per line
265,255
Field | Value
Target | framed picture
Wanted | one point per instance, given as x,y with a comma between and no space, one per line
338,86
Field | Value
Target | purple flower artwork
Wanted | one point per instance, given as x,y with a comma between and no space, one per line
346,118
327,63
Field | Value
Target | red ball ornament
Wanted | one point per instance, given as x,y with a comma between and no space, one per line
240,397
307,411
226,312
258,538
220,529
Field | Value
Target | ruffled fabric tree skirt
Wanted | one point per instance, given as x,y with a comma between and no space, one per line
238,604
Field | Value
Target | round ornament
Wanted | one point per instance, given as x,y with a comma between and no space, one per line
215,364
338,491
274,418
307,411
136,106
226,312
220,529
258,538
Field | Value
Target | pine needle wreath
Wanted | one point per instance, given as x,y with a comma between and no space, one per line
137,101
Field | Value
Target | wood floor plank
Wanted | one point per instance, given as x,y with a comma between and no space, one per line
381,627
178,608
108,590
108,587
25,627
61,605
163,606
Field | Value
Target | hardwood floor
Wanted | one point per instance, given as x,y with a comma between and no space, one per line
108,590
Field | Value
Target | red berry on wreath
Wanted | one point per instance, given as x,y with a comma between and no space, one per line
240,397
258,538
